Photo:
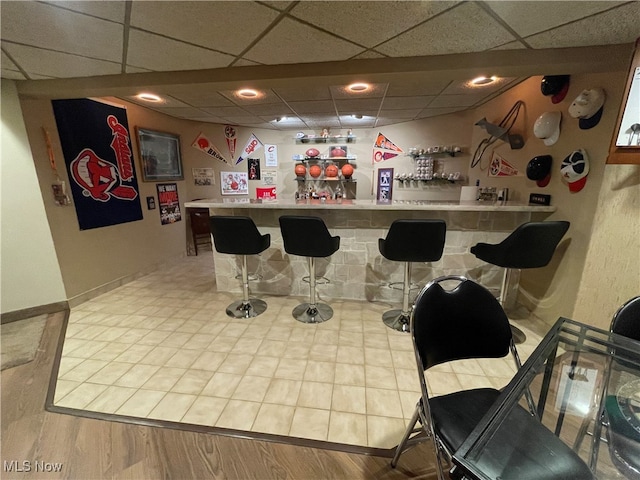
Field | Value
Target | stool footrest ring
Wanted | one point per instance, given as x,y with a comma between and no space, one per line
319,280
400,286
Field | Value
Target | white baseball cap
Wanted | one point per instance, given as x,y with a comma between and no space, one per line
575,168
547,127
588,107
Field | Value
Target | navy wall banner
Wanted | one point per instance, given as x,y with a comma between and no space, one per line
97,151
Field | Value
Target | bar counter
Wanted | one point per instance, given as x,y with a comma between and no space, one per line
358,270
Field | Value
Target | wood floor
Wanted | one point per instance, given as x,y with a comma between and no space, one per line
35,443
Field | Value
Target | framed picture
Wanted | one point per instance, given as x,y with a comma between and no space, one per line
234,183
159,155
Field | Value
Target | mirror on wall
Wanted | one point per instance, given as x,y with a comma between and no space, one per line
625,144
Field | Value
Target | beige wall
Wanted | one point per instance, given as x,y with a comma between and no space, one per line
29,267
611,272
553,291
96,257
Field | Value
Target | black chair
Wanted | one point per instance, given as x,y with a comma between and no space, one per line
617,412
531,245
410,241
240,236
461,322
200,228
308,236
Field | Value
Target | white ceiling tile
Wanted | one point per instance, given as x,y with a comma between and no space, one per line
459,30
364,122
180,112
356,104
303,92
7,63
209,119
368,23
225,111
397,103
109,10
199,97
406,113
166,102
525,19
243,120
272,109
225,26
304,44
375,90
455,100
243,62
434,112
415,87
46,26
289,122
368,54
517,45
382,121
321,106
465,87
280,5
619,25
264,96
132,69
150,51
60,65
12,74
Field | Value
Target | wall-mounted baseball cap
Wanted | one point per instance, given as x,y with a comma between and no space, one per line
547,127
575,168
588,107
539,169
555,86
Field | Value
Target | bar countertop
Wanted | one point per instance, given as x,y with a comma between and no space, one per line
314,204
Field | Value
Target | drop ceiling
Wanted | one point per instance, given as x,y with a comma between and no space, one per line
418,56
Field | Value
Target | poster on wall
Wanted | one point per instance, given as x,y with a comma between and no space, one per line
269,177
202,176
234,183
168,203
385,184
266,193
96,144
271,155
253,168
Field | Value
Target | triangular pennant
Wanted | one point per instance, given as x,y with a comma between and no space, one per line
385,143
379,156
230,135
501,168
203,144
252,146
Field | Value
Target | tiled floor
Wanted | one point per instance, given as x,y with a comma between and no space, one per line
162,347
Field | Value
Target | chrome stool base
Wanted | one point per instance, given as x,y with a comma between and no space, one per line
306,313
397,320
250,309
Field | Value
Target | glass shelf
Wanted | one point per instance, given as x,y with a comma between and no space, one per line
325,179
304,158
433,154
330,139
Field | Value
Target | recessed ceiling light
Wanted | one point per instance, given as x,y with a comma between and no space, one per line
248,93
483,80
358,116
358,87
149,97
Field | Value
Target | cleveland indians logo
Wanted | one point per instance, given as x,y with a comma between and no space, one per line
99,178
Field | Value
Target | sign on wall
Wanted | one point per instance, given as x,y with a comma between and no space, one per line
169,203
96,145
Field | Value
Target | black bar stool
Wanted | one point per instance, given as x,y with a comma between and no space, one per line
531,245
240,236
309,237
410,241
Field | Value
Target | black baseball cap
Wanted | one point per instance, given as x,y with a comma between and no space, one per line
555,86
539,169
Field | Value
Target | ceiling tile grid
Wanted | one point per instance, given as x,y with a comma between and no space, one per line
73,39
